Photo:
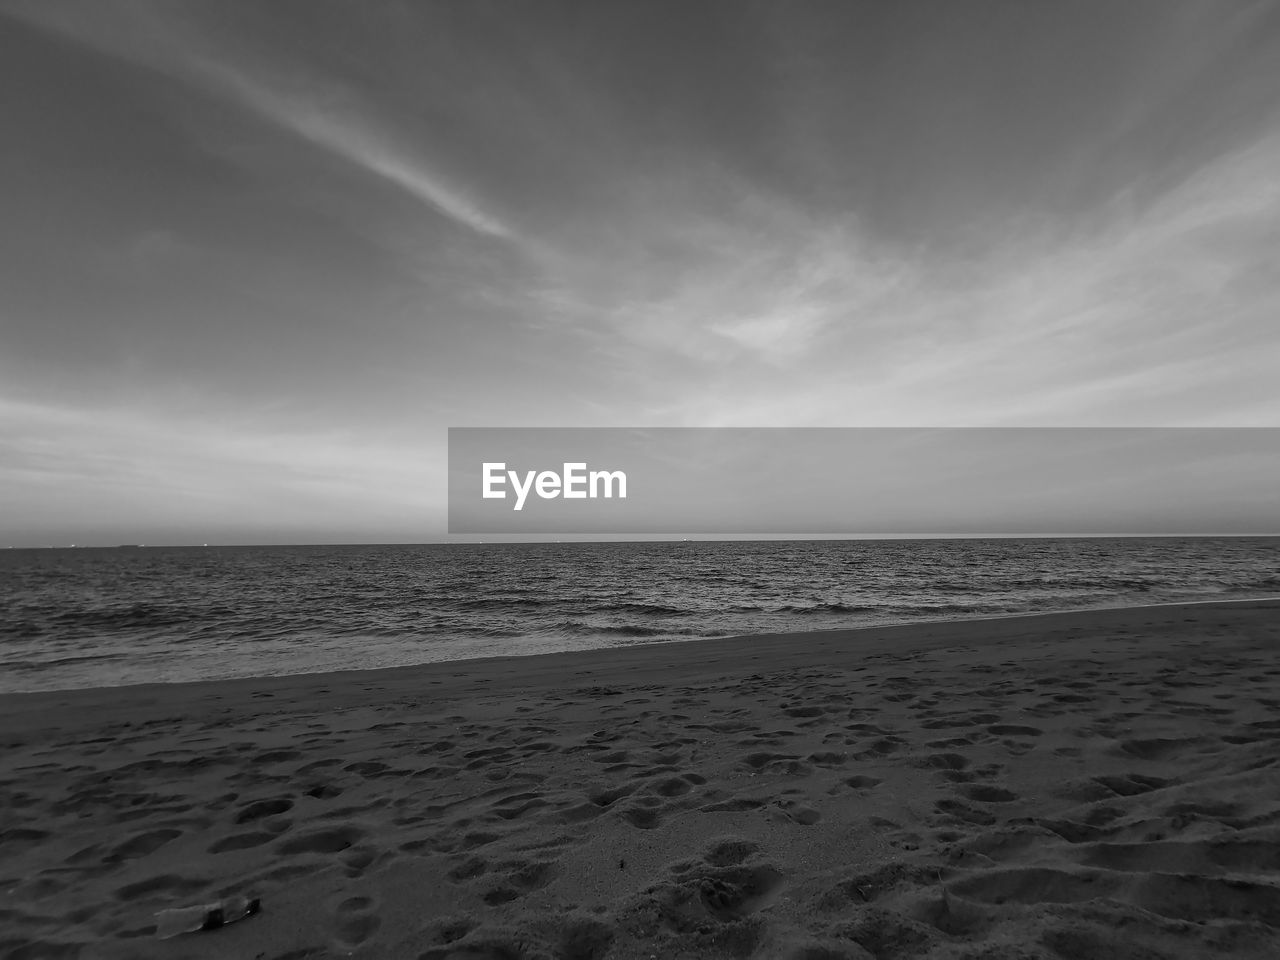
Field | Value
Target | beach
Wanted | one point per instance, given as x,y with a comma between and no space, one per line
1068,785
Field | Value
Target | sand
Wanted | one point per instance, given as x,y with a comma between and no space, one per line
1091,785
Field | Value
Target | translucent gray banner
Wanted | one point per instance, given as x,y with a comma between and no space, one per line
864,481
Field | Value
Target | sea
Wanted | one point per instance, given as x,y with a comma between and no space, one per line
73,618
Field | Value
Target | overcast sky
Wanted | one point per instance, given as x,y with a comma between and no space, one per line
255,258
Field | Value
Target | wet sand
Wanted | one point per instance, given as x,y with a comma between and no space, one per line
1099,784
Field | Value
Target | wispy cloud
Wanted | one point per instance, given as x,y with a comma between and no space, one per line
1159,316
318,110
99,470
764,289
347,133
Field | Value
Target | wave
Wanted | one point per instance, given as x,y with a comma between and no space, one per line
507,603
578,628
36,665
819,608
1263,584
136,615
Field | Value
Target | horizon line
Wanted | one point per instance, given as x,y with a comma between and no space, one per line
656,538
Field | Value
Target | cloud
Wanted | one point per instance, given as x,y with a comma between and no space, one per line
1165,315
773,335
757,314
113,471
317,110
347,133
762,288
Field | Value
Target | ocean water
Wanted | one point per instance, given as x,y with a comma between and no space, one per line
104,617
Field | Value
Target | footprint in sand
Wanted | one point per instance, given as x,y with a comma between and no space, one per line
276,756
643,818
734,892
309,768
728,851
950,743
263,808
1156,748
827,758
671,787
963,812
605,797
333,840
241,841
168,885
879,748
516,805
732,805
358,859
468,869
500,895
986,793
943,761
355,920
862,782
1014,730
1131,784
524,877
370,769
142,844
801,814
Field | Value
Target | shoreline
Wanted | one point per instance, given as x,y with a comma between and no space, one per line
267,678
704,652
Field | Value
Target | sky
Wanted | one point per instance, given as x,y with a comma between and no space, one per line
257,257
